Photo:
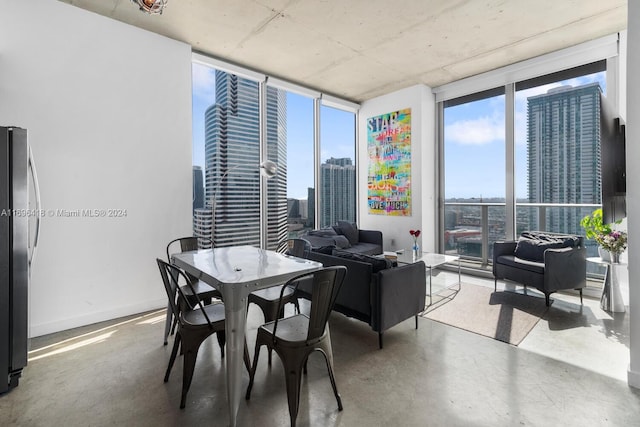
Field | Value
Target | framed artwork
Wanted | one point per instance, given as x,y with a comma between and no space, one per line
389,170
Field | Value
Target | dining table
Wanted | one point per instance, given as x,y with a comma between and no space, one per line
237,271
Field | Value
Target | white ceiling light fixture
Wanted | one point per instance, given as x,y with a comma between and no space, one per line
152,7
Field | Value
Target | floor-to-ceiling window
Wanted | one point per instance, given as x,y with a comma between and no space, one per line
241,120
557,150
226,130
337,187
522,156
474,173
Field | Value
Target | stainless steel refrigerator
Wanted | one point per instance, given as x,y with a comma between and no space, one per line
16,252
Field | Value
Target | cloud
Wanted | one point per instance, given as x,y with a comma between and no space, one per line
204,83
480,131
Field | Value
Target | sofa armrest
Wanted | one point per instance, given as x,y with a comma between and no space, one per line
370,236
565,268
502,248
397,294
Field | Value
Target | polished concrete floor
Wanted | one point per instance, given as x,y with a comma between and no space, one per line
569,371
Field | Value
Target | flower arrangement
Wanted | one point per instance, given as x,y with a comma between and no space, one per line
610,240
614,242
415,234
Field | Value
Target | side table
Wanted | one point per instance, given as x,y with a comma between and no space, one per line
611,299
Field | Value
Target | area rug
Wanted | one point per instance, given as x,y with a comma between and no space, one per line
504,316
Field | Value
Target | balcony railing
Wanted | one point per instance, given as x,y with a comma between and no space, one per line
471,228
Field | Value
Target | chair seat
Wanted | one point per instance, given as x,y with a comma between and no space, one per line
202,289
271,294
196,318
291,330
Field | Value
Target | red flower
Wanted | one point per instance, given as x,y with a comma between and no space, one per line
415,233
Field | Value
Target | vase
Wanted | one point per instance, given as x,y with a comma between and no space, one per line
615,257
604,254
416,250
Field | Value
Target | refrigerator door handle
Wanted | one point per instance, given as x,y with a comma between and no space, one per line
36,189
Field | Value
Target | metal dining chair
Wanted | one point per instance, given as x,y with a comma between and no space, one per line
295,338
202,290
272,300
195,322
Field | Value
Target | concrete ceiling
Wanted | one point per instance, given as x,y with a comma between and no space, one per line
359,49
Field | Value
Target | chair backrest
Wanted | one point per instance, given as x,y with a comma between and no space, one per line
298,247
172,276
186,244
326,284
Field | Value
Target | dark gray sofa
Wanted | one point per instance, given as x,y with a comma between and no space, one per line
546,261
381,298
346,236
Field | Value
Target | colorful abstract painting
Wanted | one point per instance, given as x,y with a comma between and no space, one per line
389,172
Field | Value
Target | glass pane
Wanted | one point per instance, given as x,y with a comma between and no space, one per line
474,174
338,168
226,156
295,156
557,149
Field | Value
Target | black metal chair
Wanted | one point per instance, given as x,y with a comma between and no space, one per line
195,322
202,290
295,338
269,299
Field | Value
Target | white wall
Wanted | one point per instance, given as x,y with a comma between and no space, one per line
395,229
108,110
633,186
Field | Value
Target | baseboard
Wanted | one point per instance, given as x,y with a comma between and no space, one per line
88,319
633,378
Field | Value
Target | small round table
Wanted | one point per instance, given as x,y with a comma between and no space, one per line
611,299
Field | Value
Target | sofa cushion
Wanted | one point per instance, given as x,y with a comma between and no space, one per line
365,248
341,242
349,230
531,246
323,232
377,264
318,241
523,264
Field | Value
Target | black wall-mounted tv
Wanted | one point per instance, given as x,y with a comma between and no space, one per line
613,164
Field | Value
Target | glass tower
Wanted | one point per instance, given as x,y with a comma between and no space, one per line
231,215
563,153
338,191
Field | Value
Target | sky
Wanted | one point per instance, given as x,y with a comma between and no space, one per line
337,132
475,141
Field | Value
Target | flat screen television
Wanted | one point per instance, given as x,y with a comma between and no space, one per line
613,165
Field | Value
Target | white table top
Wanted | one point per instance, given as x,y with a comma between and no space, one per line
242,265
598,260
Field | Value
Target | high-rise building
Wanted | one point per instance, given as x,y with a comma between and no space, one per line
198,188
337,191
231,215
563,153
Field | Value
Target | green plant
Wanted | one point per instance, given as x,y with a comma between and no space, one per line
594,226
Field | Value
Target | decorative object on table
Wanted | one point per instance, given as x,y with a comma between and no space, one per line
415,248
389,169
152,7
611,243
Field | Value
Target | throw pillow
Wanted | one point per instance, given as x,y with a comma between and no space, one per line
341,242
533,250
350,231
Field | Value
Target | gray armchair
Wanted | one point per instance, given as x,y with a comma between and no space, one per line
548,262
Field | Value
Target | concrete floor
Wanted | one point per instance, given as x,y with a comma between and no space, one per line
569,371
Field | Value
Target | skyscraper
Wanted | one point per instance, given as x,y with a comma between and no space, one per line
198,188
563,153
337,191
232,157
